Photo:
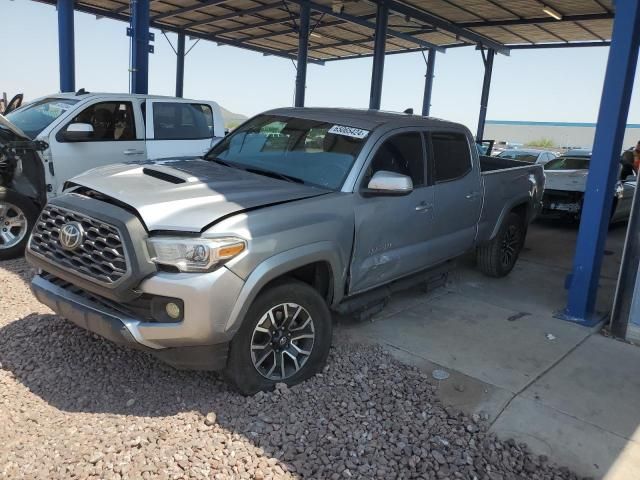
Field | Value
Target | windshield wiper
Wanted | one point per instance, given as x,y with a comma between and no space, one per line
268,173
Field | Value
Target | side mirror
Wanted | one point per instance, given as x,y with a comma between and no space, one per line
384,182
77,132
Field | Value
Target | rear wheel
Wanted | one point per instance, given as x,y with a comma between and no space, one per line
285,337
498,257
17,217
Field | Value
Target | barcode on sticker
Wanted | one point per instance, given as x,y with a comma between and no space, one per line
348,131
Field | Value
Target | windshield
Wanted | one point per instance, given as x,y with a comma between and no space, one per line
568,163
523,156
35,117
310,151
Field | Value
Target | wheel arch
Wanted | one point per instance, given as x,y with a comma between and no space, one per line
317,265
522,207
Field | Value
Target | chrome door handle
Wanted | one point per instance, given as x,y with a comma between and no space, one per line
472,195
133,151
424,207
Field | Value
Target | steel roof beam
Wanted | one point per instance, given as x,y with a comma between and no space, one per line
180,11
246,26
346,43
442,24
334,23
234,14
364,23
560,45
535,21
394,52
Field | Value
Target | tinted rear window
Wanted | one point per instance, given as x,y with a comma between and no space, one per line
182,121
521,156
451,156
568,163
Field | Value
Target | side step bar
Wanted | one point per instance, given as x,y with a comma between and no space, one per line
366,304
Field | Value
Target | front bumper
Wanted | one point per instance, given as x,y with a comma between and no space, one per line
93,314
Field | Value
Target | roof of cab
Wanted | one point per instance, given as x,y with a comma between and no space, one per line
365,119
85,95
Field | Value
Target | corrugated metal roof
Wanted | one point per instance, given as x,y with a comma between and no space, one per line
345,29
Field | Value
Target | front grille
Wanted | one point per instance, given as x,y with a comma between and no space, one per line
100,256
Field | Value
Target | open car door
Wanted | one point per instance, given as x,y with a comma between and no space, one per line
485,147
14,104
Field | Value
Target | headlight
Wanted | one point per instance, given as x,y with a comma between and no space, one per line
194,254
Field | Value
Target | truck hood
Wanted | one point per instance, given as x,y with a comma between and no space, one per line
566,180
189,194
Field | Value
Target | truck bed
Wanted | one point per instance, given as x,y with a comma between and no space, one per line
490,164
506,183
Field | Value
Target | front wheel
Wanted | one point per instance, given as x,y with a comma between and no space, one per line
498,257
17,217
285,337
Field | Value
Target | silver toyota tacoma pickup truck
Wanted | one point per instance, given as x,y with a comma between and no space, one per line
234,261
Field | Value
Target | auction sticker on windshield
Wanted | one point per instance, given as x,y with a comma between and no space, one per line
348,131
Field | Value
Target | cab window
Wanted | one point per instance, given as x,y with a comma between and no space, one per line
111,121
182,121
402,153
451,156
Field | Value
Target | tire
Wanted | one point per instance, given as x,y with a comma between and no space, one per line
249,369
18,214
498,257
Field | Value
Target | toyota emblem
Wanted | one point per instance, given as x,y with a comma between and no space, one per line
71,235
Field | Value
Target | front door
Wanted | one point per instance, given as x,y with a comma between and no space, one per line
392,232
116,138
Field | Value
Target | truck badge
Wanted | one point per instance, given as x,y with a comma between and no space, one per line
71,235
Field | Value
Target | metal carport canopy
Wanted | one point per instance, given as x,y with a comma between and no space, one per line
345,29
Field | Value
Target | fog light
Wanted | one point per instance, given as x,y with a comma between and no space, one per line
173,310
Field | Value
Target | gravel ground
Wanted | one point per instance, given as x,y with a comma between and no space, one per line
75,406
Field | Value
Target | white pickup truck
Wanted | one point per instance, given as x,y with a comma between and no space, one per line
52,139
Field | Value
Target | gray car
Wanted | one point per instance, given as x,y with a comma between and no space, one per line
234,261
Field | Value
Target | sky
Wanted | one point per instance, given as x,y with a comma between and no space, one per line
544,85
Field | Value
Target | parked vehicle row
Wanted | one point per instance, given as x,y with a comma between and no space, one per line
234,260
52,139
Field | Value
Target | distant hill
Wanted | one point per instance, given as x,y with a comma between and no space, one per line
231,119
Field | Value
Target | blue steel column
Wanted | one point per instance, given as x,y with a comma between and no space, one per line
140,46
180,66
303,47
428,82
382,18
66,47
484,98
604,169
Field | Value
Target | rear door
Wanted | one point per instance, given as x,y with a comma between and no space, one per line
458,194
118,136
392,233
178,128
